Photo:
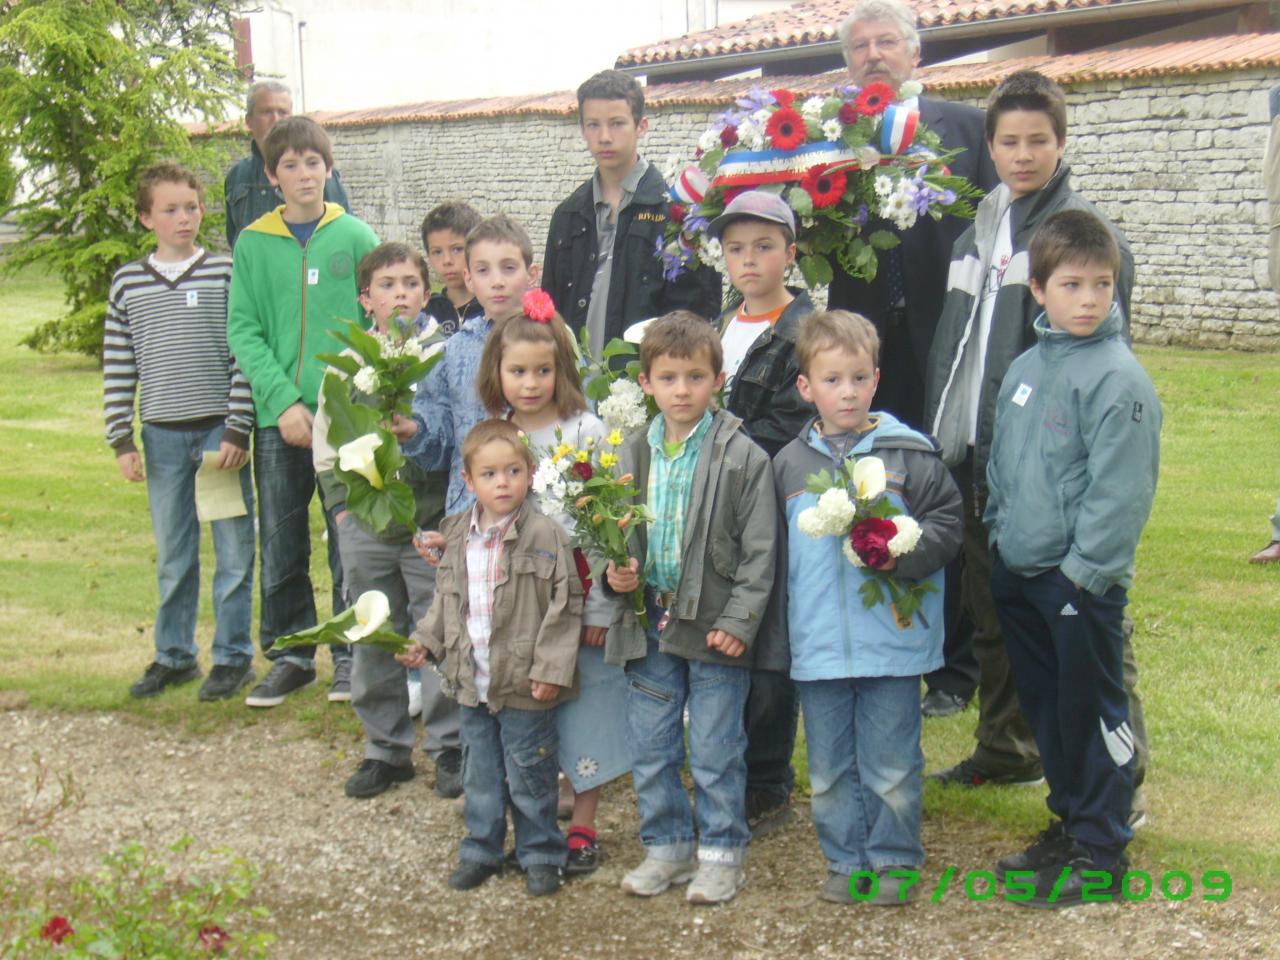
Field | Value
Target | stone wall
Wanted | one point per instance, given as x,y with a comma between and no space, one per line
1174,161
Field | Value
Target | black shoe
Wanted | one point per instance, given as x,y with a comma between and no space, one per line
373,777
449,773
158,677
281,680
766,813
469,874
1049,847
939,703
966,773
225,681
583,859
340,689
543,879
1073,880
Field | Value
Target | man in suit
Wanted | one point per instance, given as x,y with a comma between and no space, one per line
881,45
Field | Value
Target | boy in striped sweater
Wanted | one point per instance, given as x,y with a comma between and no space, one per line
166,331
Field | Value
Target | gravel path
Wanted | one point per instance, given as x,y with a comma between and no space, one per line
349,879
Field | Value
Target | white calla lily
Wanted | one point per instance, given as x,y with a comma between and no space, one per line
868,478
373,609
358,457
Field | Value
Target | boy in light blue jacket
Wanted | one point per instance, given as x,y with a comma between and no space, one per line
1072,474
857,668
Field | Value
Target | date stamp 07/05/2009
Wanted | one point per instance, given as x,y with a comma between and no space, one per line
1019,885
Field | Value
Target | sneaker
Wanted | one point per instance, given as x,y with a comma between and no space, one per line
225,681
715,883
766,813
415,697
373,777
1048,848
966,773
157,677
340,689
1085,882
469,874
939,703
281,680
836,888
654,876
543,879
895,891
449,773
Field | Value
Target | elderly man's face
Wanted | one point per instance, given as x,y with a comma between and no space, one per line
878,53
269,108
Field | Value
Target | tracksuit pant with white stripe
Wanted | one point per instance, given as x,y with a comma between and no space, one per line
1066,648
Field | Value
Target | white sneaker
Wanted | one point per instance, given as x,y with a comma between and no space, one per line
715,883
415,697
654,876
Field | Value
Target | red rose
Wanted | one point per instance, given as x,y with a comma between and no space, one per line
213,938
848,113
786,129
824,188
870,541
678,212
728,137
874,98
582,471
56,930
784,98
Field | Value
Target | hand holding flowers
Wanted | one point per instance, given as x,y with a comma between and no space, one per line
365,622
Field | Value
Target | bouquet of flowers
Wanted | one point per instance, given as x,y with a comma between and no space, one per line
852,505
366,622
582,482
387,366
620,402
838,161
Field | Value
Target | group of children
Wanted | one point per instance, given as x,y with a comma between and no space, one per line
530,669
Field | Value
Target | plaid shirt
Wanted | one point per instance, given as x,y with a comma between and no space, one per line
670,480
484,560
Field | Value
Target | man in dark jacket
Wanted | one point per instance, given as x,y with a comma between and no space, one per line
601,266
250,193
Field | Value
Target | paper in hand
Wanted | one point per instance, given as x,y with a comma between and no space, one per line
218,495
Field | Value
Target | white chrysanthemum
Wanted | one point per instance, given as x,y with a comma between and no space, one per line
751,134
811,109
884,186
366,380
761,116
807,222
565,464
709,140
850,555
908,535
573,489
832,129
545,477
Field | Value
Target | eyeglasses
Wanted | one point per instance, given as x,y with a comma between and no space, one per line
883,44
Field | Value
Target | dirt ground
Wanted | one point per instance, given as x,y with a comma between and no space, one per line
354,879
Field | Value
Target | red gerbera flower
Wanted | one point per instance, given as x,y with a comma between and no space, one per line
728,137
874,98
213,938
582,471
848,113
824,187
538,306
57,929
785,129
784,98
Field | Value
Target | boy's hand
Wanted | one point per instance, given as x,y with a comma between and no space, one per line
623,580
594,636
231,457
295,425
403,428
430,545
415,656
543,691
726,643
889,565
130,465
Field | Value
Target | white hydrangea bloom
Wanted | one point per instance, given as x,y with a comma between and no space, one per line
366,380
908,535
831,516
850,555
624,409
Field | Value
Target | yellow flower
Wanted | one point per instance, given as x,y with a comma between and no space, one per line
563,450
608,460
582,456
614,439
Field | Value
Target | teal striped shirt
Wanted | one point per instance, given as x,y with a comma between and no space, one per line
670,481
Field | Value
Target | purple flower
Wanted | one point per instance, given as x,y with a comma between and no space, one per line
756,99
860,218
948,197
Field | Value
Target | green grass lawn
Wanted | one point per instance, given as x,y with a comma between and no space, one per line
77,592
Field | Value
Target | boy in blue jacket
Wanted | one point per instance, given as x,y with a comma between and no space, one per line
858,668
1071,476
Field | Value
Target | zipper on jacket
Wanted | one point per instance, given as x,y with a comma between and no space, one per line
302,333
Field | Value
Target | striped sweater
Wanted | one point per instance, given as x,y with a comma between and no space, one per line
172,337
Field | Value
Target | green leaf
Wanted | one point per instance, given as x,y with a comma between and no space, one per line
872,592
816,270
800,201
347,420
883,239
341,361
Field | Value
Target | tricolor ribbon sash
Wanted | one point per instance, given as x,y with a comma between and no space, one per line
747,168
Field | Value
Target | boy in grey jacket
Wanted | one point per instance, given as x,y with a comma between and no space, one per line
708,563
1071,476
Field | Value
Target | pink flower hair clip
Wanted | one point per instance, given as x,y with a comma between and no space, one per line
538,306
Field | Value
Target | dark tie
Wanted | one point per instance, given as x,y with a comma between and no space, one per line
895,283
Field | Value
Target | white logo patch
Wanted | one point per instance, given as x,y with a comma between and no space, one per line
193,298
1022,394
1119,742
1068,611
313,276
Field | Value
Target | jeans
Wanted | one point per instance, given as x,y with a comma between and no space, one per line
658,687
172,459
771,719
865,769
520,747
286,483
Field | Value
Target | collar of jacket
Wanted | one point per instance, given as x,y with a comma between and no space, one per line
788,324
1059,340
1022,211
651,189
888,431
273,223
